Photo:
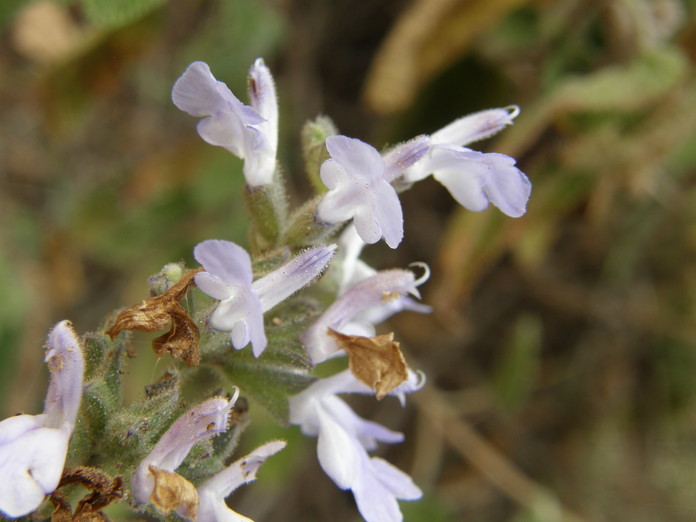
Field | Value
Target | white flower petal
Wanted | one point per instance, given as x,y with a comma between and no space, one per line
30,466
356,157
396,481
240,334
214,286
388,214
225,260
336,450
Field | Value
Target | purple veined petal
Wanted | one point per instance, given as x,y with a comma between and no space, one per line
337,451
357,157
292,276
226,260
388,214
66,364
403,156
476,126
214,286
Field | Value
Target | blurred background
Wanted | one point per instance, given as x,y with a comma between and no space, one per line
561,352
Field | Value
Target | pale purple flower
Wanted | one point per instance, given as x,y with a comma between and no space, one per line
228,277
33,447
344,439
248,132
358,180
475,179
368,302
212,493
201,422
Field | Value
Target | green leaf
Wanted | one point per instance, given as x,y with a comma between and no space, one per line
283,368
517,369
117,13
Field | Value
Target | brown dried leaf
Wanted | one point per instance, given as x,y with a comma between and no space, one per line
376,361
105,490
172,491
164,311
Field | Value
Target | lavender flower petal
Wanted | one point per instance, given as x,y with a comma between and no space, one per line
201,422
474,179
212,493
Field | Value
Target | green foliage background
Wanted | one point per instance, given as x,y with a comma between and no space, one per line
561,351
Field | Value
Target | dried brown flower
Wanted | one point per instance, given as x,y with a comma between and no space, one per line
105,490
376,361
165,311
172,491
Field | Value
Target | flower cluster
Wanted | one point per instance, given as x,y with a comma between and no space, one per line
299,295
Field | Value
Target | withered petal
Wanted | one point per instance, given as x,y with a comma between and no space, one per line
165,312
172,491
181,342
375,361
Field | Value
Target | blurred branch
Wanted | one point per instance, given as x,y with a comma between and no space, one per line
428,37
499,470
